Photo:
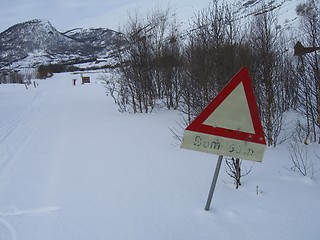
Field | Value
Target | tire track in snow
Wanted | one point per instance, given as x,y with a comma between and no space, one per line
7,232
16,135
13,121
33,211
17,128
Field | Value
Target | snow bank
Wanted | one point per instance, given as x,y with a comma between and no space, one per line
73,167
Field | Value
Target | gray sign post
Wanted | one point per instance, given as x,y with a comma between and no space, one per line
213,184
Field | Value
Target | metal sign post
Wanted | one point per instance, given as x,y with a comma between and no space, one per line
214,181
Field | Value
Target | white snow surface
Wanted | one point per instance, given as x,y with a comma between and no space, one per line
73,167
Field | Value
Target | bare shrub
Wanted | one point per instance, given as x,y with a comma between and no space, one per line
302,160
233,169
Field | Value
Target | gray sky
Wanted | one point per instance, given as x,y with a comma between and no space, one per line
68,14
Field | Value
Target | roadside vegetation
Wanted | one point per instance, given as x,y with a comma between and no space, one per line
161,66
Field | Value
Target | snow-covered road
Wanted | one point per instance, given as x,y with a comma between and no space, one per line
51,140
68,163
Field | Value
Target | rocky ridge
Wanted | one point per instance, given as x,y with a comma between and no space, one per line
36,42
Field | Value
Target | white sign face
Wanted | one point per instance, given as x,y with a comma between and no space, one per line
230,125
233,113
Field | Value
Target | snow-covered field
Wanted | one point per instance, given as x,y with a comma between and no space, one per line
73,167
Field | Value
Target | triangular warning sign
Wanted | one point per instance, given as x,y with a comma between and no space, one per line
230,125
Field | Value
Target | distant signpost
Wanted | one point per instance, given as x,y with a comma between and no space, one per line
229,126
85,80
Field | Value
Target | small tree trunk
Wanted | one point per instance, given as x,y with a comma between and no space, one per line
238,173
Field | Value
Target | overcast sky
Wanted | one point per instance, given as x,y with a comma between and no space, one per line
67,14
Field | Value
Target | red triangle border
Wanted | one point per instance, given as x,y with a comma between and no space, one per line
258,137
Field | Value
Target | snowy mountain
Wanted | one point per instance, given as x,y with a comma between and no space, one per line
35,42
96,37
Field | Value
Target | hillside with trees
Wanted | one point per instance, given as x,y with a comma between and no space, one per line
163,66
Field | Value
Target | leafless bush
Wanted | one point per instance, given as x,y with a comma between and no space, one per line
149,60
233,169
301,133
302,160
13,77
118,90
181,125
